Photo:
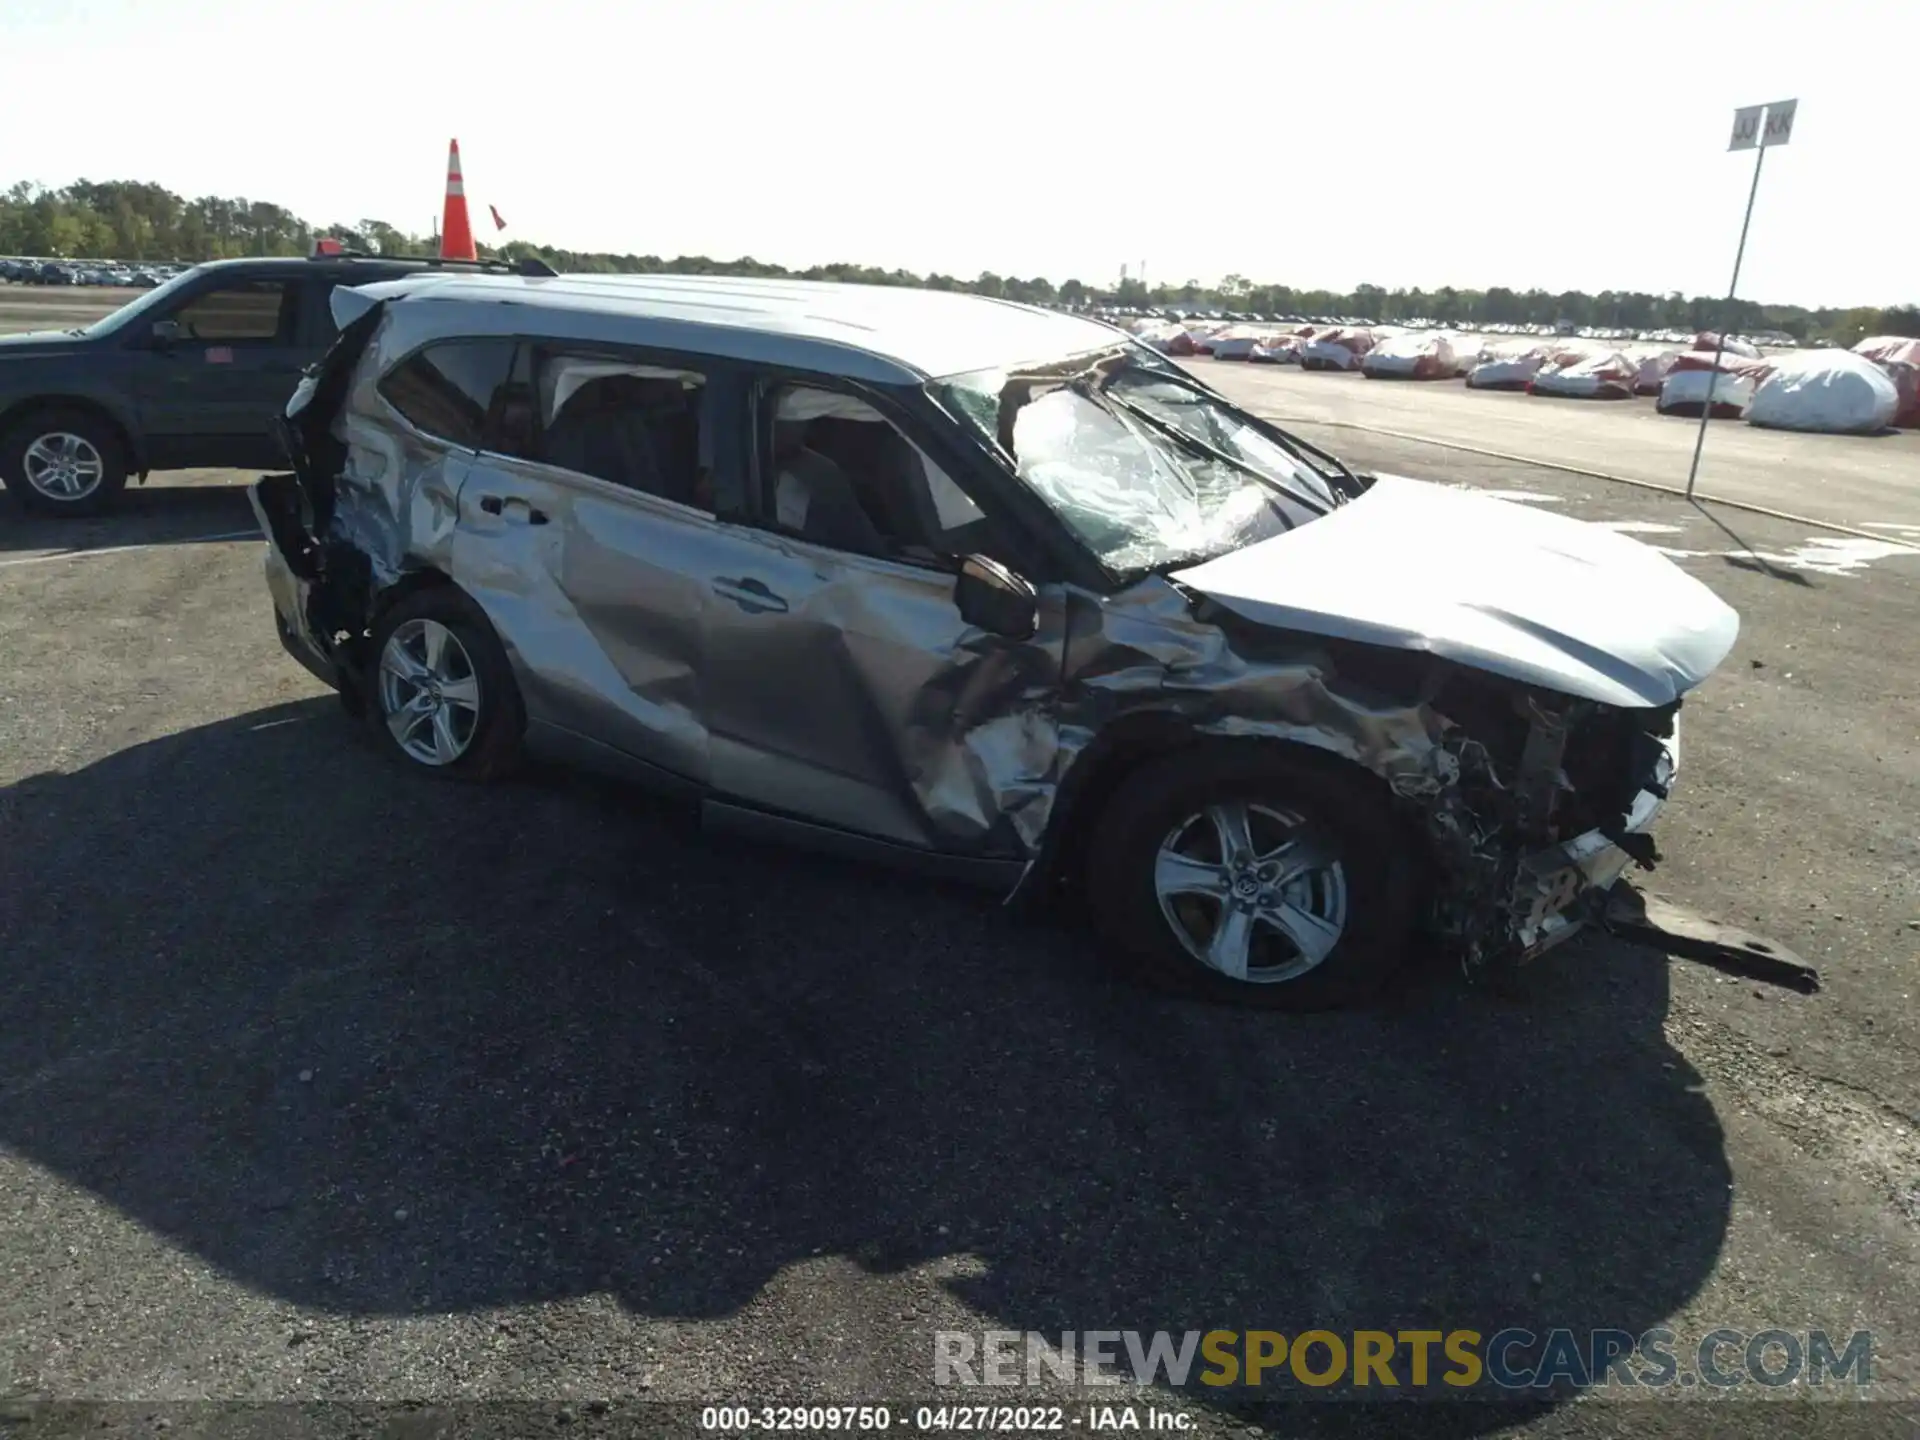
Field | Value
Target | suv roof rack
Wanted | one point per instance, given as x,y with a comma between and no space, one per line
531,266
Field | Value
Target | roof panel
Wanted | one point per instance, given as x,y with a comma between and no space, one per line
924,333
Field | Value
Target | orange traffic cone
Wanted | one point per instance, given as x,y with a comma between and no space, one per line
456,234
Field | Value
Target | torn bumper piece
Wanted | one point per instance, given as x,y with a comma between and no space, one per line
1649,920
1563,888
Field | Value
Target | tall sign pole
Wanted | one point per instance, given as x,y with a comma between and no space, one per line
1757,128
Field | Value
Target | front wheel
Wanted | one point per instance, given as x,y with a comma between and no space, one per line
1254,876
63,462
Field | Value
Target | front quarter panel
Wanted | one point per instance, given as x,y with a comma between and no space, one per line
92,374
1146,649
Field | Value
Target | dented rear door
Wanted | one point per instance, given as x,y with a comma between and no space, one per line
597,592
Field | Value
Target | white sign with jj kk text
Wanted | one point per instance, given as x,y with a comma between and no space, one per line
1763,125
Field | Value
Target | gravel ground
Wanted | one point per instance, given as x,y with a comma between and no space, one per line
321,1081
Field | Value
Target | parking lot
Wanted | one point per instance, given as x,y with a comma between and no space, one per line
1869,482
322,1080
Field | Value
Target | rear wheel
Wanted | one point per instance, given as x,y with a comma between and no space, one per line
1254,876
63,462
442,694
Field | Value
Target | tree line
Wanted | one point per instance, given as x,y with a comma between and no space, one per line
132,220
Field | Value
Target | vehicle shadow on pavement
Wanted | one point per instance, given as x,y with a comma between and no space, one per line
386,1046
144,515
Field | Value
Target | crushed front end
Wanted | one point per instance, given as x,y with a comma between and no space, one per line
1546,801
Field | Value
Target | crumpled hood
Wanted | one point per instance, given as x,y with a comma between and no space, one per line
1497,586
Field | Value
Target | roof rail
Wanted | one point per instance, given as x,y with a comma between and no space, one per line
529,265
526,265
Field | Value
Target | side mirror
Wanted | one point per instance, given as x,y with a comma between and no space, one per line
165,332
993,598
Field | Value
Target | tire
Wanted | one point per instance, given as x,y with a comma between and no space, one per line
456,657
52,452
1360,897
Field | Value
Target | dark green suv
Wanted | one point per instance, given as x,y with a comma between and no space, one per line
190,374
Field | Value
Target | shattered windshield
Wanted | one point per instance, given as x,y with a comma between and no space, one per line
1146,468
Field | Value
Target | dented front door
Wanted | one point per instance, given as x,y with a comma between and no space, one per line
848,691
597,591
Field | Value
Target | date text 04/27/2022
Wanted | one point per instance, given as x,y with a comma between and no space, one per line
939,1419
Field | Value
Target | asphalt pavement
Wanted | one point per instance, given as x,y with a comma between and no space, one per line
323,1080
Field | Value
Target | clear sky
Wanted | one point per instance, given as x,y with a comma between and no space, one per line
1317,144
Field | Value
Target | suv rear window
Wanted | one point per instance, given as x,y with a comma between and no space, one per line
446,389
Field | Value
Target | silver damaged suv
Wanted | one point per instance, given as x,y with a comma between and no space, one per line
989,589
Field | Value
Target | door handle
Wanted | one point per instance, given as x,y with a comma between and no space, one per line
750,595
496,505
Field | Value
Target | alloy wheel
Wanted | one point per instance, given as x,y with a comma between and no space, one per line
63,466
1252,891
429,692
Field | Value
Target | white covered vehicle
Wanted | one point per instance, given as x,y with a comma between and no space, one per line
1606,376
1835,392
1709,342
1693,379
1899,356
1337,349
1277,350
1206,337
1411,355
1238,342
1506,372
1654,367
1469,351
1160,336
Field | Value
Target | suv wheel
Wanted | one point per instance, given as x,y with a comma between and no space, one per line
1249,875
63,462
442,694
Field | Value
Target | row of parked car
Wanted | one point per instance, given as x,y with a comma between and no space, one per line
1824,389
23,270
1136,319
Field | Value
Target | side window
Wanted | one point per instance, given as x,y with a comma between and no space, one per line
842,475
629,422
251,312
448,389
